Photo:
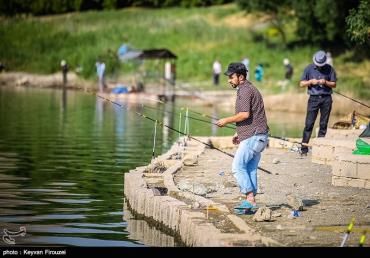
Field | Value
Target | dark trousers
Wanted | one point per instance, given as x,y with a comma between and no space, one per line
216,79
64,78
316,103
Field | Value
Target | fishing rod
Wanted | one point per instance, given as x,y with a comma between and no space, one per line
93,91
175,130
191,117
348,231
209,122
201,114
362,239
162,124
351,99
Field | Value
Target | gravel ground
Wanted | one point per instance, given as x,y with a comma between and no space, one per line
327,209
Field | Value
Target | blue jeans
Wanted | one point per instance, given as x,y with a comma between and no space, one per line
245,163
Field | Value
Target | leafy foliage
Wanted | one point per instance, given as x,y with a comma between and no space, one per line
318,21
358,23
41,7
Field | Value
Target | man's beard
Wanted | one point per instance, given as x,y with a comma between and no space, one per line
233,85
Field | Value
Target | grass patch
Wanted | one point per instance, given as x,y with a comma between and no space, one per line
197,35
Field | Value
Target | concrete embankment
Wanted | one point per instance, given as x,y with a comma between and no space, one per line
335,149
190,191
151,191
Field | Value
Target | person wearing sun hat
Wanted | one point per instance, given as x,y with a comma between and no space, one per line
319,78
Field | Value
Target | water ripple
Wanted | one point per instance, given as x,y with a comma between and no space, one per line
69,230
42,217
80,201
79,241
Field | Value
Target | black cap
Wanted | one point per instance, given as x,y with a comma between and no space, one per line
238,68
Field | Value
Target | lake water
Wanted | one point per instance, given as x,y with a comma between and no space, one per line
63,156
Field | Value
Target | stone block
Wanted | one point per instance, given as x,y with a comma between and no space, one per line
262,214
149,196
281,144
367,184
163,213
143,202
167,213
363,171
356,183
207,235
222,142
336,169
294,202
341,133
353,166
322,154
178,209
325,150
190,160
339,181
156,205
170,214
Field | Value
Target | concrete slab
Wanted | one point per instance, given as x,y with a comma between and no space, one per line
325,206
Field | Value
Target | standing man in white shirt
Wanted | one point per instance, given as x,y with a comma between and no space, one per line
217,69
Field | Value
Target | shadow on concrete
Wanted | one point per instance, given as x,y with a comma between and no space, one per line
308,203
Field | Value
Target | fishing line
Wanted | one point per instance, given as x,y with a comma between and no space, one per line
187,116
175,130
93,92
154,137
351,99
209,122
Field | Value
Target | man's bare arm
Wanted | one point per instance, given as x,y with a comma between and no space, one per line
311,82
329,84
233,119
308,83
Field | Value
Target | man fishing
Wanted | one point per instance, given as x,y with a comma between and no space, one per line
319,78
251,132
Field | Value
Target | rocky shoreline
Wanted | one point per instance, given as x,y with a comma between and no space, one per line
187,214
42,81
191,191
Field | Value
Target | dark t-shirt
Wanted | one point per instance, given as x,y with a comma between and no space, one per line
326,72
249,99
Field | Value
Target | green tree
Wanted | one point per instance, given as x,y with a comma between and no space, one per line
110,4
279,11
42,7
358,24
318,21
14,7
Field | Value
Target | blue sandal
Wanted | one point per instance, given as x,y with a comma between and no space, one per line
245,208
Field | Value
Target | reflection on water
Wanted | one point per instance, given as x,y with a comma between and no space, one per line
62,159
145,233
63,156
168,114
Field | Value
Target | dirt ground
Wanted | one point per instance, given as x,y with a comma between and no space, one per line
327,209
